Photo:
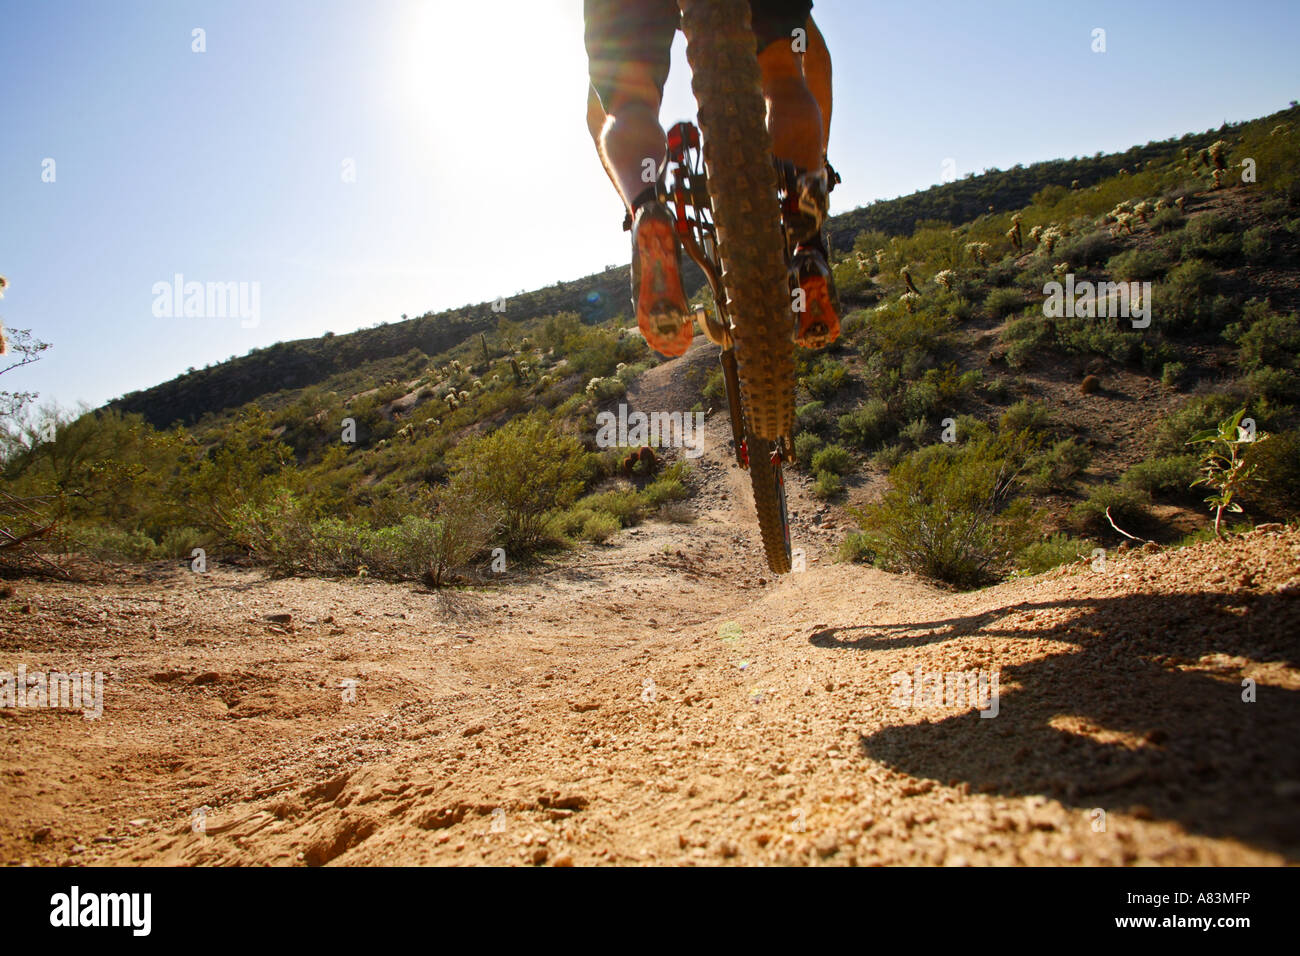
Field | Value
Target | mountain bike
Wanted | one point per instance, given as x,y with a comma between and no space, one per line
722,186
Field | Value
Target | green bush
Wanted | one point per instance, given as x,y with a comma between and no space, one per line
1053,551
599,527
1025,415
827,485
663,490
826,380
1057,468
811,416
1172,474
948,513
806,444
1138,265
1002,302
519,474
865,426
1173,372
1256,245
1184,296
1126,504
1091,249
624,504
1024,337
1168,219
833,459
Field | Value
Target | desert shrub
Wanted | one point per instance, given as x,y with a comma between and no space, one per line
1168,220
1211,236
1277,473
624,504
1025,415
1172,372
1171,474
1056,468
857,546
663,490
833,459
107,541
1126,504
921,398
1195,415
1265,339
1088,250
715,388
520,473
1024,337
948,513
1138,265
827,485
826,379
1256,244
807,444
888,456
1002,302
1184,296
916,433
865,426
1053,551
811,416
599,527
1276,385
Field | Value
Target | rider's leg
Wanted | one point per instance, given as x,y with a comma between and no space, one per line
817,74
632,145
793,115
629,139
799,128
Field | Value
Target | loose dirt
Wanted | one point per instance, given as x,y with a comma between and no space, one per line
664,699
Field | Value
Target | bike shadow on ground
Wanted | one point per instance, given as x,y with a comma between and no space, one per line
1120,721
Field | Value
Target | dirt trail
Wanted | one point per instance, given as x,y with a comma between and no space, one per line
662,699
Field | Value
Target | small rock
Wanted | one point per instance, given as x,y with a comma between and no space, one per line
565,860
42,834
77,848
539,855
279,618
471,731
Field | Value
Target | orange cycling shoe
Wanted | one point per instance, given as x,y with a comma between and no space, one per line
661,311
819,322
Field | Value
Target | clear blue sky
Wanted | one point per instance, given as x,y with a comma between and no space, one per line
463,122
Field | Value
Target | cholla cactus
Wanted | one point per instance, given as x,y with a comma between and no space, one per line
1074,184
455,365
945,278
478,383
462,395
1061,268
1036,233
1049,238
544,381
1124,222
880,256
1160,205
1014,233
620,366
1142,210
1280,130
906,275
978,250
1215,153
1123,171
1180,202
594,385
1218,178
909,300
